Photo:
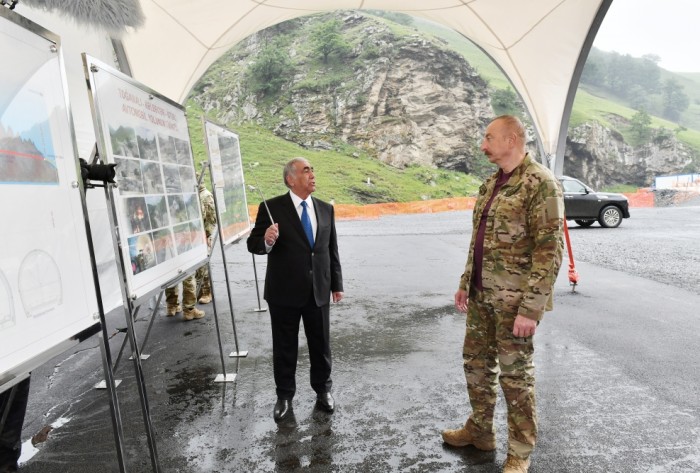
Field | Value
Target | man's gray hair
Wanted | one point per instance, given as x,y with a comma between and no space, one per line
289,169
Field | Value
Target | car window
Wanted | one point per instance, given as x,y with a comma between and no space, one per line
573,186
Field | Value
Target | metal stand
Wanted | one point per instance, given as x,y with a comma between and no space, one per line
110,383
257,290
141,383
102,384
238,352
223,377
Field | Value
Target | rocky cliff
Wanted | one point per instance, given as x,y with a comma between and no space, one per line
600,156
404,98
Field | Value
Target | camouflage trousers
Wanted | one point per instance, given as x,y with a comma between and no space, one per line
491,349
203,280
189,293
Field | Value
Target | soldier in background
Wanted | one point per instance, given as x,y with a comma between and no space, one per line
189,299
514,257
206,201
189,285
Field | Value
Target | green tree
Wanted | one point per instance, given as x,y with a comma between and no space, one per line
326,39
648,73
504,101
641,126
271,70
593,71
675,100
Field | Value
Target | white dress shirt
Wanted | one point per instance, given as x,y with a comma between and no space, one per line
309,209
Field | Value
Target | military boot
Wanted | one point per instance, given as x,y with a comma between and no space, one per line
173,309
193,313
462,437
514,464
205,297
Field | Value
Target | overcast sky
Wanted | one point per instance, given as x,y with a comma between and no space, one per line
668,28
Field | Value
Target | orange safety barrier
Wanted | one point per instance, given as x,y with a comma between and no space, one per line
348,211
641,198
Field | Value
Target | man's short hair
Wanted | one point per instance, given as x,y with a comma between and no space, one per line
515,125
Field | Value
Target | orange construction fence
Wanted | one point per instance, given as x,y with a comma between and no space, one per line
348,211
641,198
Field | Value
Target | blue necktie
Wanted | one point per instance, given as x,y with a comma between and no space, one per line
306,223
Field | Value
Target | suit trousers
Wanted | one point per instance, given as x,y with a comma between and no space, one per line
11,434
285,346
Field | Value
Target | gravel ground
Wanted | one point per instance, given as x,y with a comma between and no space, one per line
661,244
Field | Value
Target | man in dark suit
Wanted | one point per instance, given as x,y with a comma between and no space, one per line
303,272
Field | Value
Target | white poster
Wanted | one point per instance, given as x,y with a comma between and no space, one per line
158,214
47,292
227,178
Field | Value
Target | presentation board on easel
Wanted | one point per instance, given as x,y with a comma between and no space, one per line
227,179
47,290
158,216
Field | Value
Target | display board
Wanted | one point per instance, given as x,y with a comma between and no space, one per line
228,182
158,217
47,290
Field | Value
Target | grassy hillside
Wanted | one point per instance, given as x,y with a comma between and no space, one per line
339,175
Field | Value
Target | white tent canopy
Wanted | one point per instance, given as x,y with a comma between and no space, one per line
540,45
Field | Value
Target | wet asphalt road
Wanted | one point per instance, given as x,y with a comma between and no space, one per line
617,362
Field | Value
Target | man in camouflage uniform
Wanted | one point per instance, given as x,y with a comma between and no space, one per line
206,201
514,257
189,299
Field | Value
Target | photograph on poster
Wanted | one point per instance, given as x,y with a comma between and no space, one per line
163,243
142,253
178,211
138,215
192,205
124,141
146,140
152,178
171,173
157,211
26,142
47,292
188,179
182,237
167,148
129,176
229,185
182,150
197,236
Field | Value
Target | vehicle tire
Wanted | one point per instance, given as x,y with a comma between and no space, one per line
584,223
610,217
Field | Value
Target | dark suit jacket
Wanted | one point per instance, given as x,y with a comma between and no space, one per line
293,267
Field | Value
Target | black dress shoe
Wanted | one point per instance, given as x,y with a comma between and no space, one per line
326,402
282,409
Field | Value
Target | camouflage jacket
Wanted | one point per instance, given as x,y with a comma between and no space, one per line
523,241
206,200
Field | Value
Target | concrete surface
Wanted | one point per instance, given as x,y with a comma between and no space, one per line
617,364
